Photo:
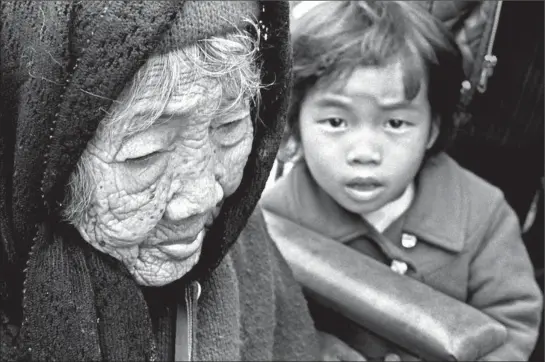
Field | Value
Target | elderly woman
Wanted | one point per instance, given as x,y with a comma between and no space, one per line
136,138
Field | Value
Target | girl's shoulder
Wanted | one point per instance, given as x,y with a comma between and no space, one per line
451,200
454,182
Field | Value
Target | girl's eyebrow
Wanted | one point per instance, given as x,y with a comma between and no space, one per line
397,105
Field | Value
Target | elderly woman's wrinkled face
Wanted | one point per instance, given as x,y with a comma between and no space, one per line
160,169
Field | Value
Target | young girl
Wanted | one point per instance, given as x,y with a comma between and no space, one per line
376,85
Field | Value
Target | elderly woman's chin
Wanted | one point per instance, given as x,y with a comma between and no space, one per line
153,267
156,265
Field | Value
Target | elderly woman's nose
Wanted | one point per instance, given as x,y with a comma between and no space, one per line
200,199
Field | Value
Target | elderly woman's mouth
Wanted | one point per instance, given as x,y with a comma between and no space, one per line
183,248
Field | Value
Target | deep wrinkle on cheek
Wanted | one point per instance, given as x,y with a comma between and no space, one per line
124,185
130,224
122,204
136,178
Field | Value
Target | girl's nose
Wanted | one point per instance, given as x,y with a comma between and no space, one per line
364,149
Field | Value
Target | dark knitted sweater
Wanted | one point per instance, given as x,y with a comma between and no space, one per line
62,64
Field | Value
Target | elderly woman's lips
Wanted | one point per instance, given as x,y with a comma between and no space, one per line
183,248
187,240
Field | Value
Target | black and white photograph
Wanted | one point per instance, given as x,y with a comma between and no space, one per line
272,180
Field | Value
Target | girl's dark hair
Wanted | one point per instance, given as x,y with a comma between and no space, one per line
335,37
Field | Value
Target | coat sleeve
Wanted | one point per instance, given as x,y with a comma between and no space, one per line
502,285
295,337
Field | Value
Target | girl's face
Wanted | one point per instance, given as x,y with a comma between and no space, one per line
364,143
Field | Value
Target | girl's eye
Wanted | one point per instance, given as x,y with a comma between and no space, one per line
335,122
396,123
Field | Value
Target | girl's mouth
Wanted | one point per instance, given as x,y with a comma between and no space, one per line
363,189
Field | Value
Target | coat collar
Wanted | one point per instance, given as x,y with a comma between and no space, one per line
436,215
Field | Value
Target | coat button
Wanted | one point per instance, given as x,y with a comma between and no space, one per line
399,267
408,240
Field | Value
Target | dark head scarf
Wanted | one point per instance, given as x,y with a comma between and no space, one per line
62,64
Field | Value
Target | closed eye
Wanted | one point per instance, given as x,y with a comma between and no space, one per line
231,132
229,126
143,158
